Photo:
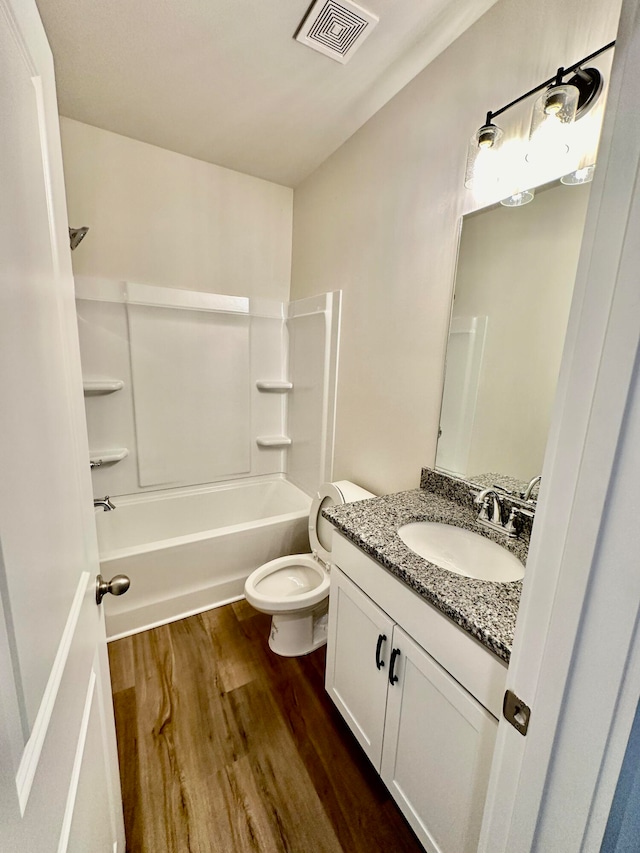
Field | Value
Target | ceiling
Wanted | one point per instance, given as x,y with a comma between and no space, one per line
224,80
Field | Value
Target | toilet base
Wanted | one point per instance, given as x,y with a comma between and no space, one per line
295,634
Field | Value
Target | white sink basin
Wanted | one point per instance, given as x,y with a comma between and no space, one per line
461,551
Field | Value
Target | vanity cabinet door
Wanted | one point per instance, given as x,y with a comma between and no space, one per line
358,652
438,746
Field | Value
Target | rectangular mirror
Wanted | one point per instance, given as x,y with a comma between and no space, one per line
514,282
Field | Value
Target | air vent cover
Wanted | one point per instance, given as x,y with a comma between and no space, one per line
336,28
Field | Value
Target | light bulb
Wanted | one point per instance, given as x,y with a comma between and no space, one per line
553,113
559,103
553,103
488,136
519,198
580,176
481,158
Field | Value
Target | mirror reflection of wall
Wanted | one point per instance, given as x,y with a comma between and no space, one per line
514,282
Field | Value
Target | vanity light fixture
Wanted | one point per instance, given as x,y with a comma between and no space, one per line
553,112
580,176
561,103
481,158
519,198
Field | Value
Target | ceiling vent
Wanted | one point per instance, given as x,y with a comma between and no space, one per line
336,28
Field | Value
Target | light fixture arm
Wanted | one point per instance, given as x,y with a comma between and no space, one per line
555,80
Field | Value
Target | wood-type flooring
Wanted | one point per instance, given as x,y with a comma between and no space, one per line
226,747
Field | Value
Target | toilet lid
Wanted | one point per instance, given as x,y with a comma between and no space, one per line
319,528
331,494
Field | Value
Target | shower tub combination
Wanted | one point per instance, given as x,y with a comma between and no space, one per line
187,550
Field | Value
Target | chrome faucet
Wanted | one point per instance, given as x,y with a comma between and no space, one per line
489,498
482,500
106,504
526,495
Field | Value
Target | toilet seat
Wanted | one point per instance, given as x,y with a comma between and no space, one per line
273,588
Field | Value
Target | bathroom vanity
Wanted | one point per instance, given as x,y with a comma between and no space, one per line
417,658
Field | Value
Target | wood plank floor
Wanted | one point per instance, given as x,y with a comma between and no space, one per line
226,747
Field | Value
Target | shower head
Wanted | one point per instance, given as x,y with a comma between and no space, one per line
76,235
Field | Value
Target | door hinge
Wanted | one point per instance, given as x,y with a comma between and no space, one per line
516,712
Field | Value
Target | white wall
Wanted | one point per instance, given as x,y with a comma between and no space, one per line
380,218
161,218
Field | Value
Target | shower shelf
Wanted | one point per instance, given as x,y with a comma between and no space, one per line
97,458
274,385
102,386
273,441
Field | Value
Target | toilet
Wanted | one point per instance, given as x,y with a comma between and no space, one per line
295,589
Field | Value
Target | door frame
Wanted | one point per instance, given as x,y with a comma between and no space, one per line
575,660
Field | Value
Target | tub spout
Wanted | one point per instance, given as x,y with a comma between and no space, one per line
106,504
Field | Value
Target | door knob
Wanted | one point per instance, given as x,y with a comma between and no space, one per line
118,585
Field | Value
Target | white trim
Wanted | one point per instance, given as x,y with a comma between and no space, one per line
16,31
33,748
104,699
325,469
96,289
12,708
627,702
309,305
99,289
330,306
12,701
77,766
45,149
186,491
270,308
193,300
333,332
563,648
332,401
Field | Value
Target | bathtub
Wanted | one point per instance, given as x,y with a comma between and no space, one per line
187,550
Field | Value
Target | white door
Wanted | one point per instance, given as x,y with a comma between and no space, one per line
59,787
438,744
576,656
358,654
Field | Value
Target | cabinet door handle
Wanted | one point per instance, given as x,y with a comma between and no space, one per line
382,638
392,676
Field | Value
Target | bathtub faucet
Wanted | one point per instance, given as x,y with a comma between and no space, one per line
106,504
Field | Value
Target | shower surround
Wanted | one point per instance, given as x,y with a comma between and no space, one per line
200,401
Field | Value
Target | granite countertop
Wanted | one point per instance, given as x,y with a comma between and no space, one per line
485,609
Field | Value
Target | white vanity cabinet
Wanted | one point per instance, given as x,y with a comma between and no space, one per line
428,737
358,645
